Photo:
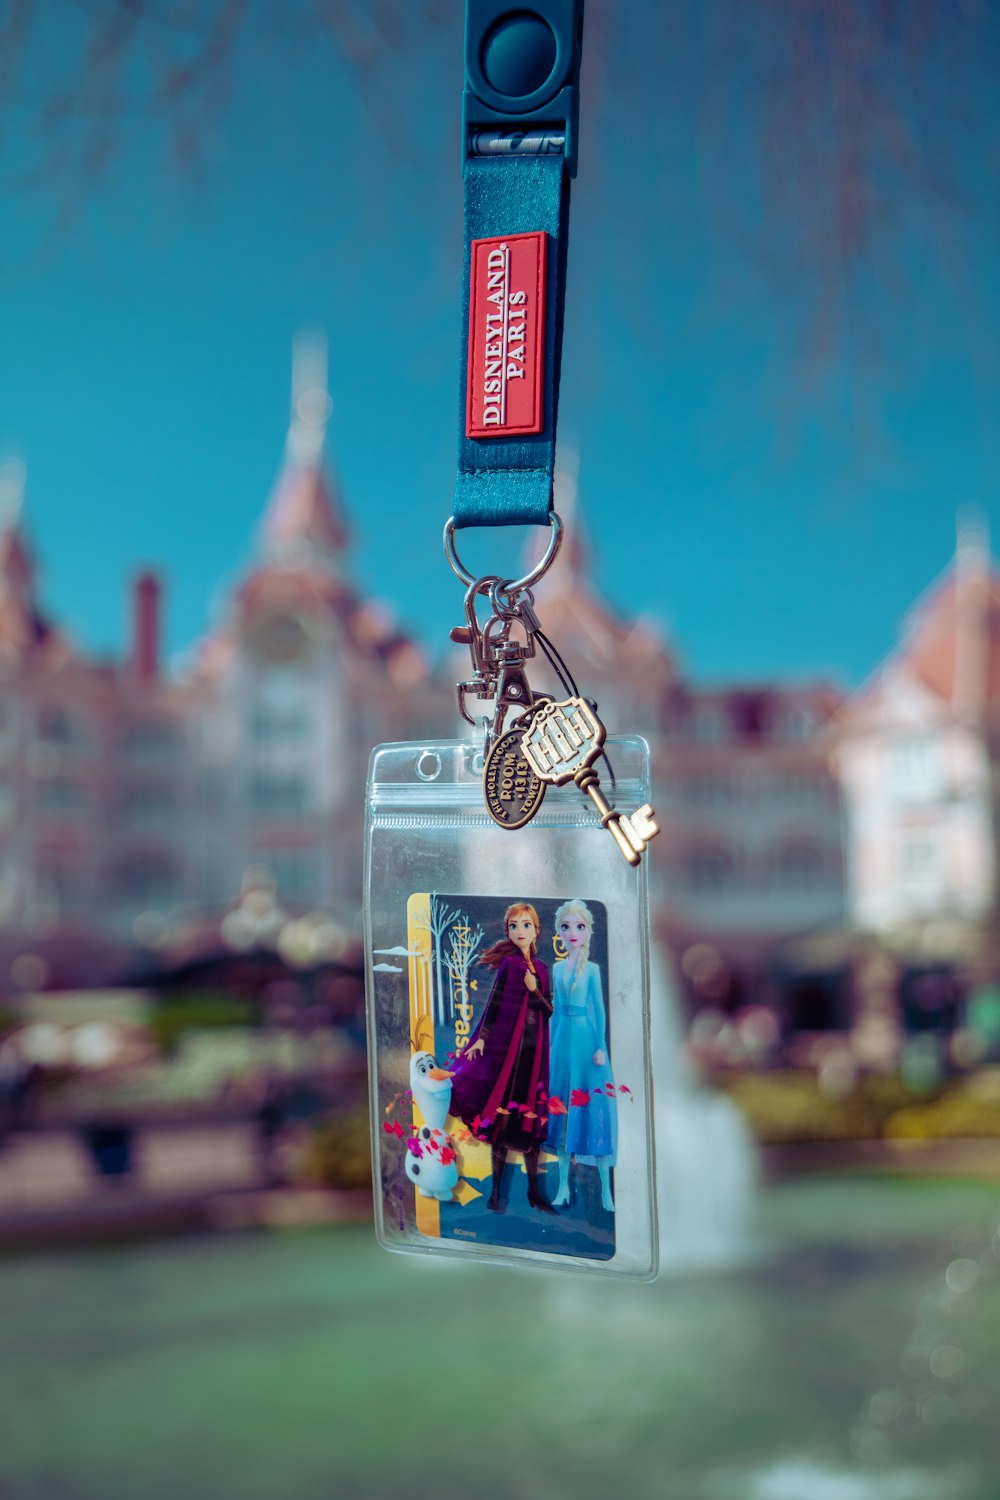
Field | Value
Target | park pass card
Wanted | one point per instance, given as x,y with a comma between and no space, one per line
505,1130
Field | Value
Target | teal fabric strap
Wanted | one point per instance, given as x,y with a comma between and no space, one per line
507,481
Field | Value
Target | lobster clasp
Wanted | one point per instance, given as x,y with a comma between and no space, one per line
498,658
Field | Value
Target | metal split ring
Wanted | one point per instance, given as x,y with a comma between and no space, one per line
515,597
509,586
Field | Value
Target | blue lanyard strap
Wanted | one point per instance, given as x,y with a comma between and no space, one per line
504,481
517,181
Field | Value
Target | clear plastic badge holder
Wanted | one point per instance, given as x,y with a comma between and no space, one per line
535,1146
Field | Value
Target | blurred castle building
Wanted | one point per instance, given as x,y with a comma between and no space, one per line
752,817
135,804
751,851
917,752
128,796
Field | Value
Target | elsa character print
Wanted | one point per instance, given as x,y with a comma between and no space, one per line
579,1069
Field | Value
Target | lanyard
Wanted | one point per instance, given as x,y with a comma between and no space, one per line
520,122
436,813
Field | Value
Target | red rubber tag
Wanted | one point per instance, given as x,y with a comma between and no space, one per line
506,336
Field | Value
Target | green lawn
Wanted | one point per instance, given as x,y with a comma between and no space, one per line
313,1365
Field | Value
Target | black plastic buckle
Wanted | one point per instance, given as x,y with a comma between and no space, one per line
522,65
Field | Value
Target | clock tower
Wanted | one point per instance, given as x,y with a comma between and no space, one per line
306,675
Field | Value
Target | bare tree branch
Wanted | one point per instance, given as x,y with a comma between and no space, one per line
850,115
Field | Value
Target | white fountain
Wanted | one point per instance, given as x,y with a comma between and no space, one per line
706,1165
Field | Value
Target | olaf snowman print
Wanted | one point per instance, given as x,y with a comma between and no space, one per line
430,1156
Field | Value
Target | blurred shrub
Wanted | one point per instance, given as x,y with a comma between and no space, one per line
336,1153
791,1107
175,1014
788,1107
968,1110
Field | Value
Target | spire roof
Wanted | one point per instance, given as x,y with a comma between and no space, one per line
951,638
22,627
303,537
574,612
17,568
953,643
303,521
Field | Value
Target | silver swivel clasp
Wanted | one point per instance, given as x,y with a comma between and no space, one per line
498,653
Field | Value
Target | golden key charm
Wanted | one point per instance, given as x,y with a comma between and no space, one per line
561,744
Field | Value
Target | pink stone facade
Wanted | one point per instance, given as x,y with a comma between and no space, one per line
133,801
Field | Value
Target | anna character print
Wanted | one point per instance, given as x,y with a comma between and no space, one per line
501,1081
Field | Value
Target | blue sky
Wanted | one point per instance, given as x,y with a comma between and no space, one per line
781,363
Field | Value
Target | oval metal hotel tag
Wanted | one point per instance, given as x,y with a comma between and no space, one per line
512,791
506,336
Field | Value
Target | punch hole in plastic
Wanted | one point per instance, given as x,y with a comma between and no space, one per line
428,766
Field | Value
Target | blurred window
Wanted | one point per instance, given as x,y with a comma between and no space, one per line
57,726
149,800
11,873
148,736
148,877
274,793
214,880
61,794
918,855
271,725
212,791
798,864
711,869
709,724
61,885
795,724
709,790
294,872
914,765
799,785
